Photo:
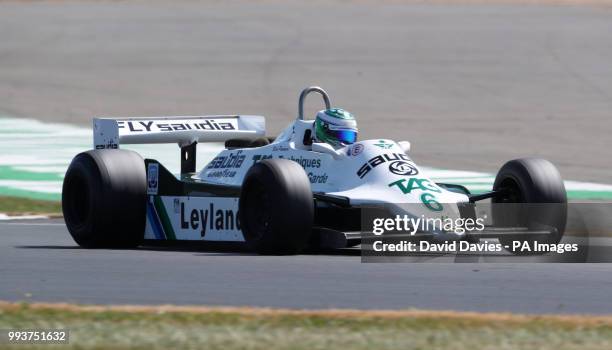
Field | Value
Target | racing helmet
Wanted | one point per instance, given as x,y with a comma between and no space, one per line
336,127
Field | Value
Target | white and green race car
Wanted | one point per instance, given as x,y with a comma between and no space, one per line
278,195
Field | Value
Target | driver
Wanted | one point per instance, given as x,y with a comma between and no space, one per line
336,127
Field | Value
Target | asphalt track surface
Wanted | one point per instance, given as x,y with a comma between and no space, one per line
470,85
40,262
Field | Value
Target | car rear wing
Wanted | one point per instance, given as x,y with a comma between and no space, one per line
109,133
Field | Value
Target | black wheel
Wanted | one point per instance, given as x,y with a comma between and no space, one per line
104,199
533,196
276,207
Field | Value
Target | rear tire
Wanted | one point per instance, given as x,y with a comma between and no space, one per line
104,199
276,207
537,185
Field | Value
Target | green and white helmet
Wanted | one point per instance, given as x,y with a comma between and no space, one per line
336,127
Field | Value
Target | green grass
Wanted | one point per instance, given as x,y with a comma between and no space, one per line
16,205
156,328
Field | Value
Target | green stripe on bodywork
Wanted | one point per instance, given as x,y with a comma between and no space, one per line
11,173
163,217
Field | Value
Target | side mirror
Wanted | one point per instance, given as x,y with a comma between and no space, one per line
405,146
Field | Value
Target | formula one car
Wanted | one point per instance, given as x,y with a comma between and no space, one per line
278,195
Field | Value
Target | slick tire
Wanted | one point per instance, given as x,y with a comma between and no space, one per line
104,199
276,207
534,197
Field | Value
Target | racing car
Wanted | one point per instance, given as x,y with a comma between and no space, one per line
278,195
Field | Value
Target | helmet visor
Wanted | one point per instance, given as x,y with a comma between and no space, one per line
345,136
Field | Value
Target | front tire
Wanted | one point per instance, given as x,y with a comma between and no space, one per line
276,207
104,199
534,196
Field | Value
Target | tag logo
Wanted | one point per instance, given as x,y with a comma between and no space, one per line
152,178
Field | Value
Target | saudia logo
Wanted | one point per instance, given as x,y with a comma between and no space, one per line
230,161
404,167
209,219
149,126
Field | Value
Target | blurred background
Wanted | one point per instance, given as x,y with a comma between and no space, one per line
470,83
